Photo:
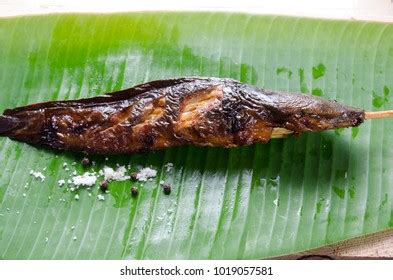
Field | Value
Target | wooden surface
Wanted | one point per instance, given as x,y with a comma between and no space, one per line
374,246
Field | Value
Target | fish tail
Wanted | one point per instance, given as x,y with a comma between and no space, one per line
7,125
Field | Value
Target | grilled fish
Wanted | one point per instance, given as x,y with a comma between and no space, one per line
167,113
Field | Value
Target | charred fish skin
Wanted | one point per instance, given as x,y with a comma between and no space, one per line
167,113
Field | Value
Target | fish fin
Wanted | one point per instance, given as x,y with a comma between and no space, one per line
7,124
153,85
100,99
108,97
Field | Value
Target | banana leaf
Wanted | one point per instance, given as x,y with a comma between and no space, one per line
250,202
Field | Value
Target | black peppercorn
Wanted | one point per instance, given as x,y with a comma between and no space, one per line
85,161
104,186
134,191
167,188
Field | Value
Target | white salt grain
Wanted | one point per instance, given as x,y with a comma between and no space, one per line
37,175
76,197
87,179
100,197
61,182
115,175
145,173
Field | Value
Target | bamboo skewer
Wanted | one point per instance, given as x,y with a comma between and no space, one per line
378,115
280,132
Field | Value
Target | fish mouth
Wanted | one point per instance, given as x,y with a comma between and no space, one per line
350,118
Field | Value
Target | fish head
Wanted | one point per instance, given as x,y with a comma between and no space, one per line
301,112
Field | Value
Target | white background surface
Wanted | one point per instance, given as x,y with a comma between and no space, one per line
282,270
350,9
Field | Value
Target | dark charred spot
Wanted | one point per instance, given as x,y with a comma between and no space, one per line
234,121
304,121
277,117
79,128
147,139
358,121
49,133
358,118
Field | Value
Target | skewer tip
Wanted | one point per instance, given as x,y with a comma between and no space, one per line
378,115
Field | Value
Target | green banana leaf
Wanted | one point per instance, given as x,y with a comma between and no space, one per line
244,203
